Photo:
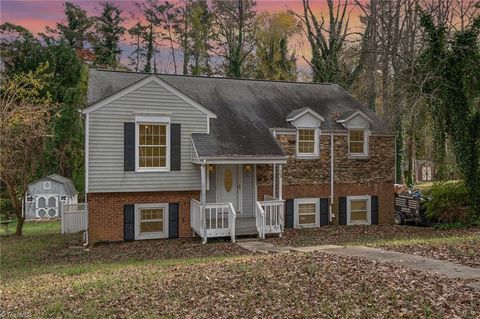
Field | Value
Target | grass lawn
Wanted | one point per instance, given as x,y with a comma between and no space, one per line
46,275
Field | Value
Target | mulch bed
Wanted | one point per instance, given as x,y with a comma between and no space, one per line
314,285
73,252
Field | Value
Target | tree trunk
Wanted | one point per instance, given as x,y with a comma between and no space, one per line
20,221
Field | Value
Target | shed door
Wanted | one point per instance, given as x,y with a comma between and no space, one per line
46,206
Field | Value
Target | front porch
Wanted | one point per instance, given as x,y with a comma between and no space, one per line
228,205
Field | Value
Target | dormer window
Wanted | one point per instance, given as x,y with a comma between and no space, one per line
307,142
308,123
357,142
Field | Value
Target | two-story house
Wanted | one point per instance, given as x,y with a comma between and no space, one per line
174,156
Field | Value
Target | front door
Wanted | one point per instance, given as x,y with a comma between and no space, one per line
227,185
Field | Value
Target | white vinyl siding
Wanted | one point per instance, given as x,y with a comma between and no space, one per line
106,143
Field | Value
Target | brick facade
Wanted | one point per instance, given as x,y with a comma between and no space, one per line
304,178
105,222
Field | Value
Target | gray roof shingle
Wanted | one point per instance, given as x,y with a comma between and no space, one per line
245,109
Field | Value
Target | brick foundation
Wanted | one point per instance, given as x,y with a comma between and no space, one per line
105,210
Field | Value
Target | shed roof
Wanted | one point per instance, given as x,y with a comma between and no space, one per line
69,186
245,109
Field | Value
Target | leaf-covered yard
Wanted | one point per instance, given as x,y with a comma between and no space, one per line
48,275
461,246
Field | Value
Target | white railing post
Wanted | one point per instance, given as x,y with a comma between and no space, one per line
232,215
203,199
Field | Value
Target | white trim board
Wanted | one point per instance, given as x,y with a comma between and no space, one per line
139,84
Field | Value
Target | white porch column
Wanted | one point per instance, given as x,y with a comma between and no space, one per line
203,198
274,180
280,182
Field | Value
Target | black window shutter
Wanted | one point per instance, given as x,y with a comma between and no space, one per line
323,211
173,220
175,147
374,207
129,147
342,211
289,213
129,222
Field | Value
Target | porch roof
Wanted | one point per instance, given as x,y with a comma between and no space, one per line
241,147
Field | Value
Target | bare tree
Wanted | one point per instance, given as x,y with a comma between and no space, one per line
23,132
327,37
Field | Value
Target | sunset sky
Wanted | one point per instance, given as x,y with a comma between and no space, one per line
36,14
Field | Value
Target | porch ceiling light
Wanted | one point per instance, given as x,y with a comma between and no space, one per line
248,168
211,168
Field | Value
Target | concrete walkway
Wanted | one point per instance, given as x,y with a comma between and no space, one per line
415,262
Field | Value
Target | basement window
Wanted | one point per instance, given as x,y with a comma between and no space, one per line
306,213
358,210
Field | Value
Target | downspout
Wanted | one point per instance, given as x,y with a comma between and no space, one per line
332,197
274,170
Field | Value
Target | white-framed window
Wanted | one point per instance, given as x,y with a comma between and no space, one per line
359,211
63,198
306,212
153,143
307,142
151,221
358,142
47,185
29,199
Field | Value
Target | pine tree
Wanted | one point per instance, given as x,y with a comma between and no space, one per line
108,30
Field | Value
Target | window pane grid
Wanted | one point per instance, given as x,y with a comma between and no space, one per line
306,141
152,220
357,142
152,145
358,210
306,214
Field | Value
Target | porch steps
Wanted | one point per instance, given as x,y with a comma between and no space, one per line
245,226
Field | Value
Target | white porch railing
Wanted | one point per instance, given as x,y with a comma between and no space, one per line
218,220
269,215
74,217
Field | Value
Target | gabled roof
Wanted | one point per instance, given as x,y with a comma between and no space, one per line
245,109
295,114
346,116
69,186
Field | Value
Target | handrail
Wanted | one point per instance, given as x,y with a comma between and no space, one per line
272,216
232,215
260,220
213,219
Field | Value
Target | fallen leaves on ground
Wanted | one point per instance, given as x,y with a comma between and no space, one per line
464,250
275,286
360,234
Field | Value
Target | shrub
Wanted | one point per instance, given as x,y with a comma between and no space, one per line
448,203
